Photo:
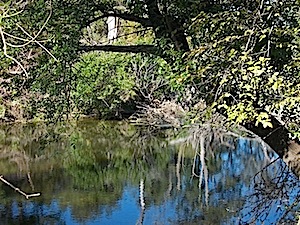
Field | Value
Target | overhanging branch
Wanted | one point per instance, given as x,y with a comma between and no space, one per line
150,49
143,21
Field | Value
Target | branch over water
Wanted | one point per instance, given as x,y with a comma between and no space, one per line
27,196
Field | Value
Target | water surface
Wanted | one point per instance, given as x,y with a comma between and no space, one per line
94,172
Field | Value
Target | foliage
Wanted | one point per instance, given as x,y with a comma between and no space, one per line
110,83
246,65
243,60
15,59
104,83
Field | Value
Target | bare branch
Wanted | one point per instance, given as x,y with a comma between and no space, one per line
12,15
27,196
8,56
42,46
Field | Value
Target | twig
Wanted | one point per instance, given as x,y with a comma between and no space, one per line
12,15
27,196
33,39
8,56
37,42
275,160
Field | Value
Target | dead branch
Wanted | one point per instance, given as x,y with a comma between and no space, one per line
27,196
162,114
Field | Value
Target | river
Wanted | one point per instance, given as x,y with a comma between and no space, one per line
95,172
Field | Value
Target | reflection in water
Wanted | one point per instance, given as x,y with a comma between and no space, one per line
95,172
274,197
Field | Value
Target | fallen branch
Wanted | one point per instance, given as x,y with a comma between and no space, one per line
27,196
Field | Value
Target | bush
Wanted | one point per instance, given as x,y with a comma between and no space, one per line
112,84
104,84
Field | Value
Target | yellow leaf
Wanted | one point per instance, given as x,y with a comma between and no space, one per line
267,124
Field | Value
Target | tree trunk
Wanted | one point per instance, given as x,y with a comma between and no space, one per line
278,139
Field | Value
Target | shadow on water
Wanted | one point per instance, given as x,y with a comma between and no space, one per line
94,172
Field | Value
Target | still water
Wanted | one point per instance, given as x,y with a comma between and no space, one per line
94,172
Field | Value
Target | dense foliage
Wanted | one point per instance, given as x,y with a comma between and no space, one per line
247,60
104,83
239,57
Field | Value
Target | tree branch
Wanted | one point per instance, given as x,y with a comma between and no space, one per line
150,49
143,21
27,196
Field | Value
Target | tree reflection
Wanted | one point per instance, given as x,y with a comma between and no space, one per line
275,197
86,167
27,213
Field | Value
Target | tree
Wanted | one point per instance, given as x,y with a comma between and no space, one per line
246,60
241,56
